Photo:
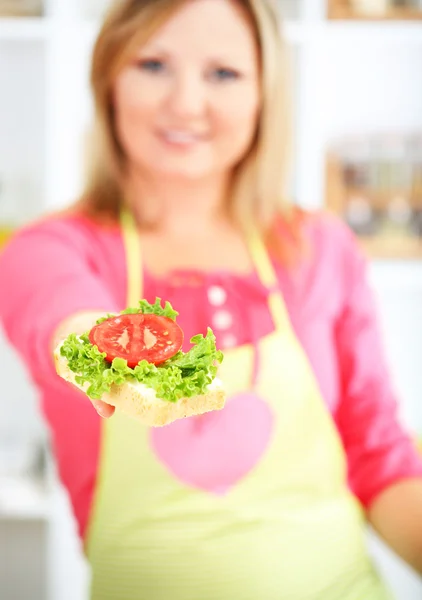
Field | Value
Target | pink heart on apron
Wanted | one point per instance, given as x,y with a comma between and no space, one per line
214,451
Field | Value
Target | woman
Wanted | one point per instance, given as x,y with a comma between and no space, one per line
251,502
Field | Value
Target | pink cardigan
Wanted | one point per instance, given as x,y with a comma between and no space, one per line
66,264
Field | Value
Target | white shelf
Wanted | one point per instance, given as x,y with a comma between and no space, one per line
372,33
23,499
366,32
45,28
24,28
396,275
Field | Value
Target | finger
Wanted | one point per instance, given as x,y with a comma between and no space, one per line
103,409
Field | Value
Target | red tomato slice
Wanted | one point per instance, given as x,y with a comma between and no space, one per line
137,337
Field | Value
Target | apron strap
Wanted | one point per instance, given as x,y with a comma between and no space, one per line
133,251
268,277
259,256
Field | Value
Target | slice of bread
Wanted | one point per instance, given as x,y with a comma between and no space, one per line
139,401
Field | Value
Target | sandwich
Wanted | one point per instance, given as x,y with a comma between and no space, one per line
134,362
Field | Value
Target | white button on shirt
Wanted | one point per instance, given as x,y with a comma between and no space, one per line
217,296
222,319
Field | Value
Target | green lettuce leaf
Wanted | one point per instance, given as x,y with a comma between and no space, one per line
155,309
147,309
182,376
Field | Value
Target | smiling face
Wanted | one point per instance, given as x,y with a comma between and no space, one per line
187,104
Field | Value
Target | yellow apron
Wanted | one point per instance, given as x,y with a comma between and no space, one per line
243,504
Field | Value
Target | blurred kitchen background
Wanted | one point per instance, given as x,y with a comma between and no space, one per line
357,96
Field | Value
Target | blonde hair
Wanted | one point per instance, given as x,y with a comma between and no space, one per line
259,179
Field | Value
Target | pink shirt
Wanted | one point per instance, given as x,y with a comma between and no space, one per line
67,264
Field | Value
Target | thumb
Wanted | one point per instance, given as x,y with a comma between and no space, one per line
103,409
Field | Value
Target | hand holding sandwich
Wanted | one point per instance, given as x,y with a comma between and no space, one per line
133,361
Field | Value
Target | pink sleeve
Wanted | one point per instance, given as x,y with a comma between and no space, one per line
379,450
45,276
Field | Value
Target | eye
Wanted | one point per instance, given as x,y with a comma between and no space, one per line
151,65
223,74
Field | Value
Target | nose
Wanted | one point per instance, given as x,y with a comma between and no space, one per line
187,96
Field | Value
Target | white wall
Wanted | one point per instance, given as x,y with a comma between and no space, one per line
22,127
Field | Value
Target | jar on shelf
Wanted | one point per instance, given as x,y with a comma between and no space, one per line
370,6
21,8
